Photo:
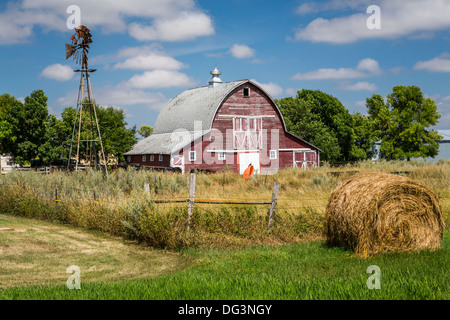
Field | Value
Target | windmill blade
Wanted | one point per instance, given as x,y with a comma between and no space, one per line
84,29
83,32
79,32
70,50
81,40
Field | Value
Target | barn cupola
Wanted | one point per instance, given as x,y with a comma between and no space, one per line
215,80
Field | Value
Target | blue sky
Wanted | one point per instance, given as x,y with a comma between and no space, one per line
148,51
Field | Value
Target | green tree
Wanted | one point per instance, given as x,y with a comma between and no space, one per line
117,138
322,120
403,123
145,131
7,122
364,135
57,140
301,120
28,126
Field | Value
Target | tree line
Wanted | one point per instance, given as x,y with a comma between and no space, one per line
28,131
402,123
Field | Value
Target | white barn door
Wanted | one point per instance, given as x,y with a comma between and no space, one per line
245,159
177,162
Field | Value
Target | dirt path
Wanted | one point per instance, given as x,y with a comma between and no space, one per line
33,252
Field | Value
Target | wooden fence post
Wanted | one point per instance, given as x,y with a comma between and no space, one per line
276,187
147,189
56,192
191,199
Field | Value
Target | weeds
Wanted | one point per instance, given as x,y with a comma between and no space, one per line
120,205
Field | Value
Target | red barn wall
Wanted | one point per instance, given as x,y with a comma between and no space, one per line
137,159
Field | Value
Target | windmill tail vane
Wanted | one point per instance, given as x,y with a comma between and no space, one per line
86,130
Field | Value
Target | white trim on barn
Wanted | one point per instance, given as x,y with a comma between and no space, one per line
304,162
177,161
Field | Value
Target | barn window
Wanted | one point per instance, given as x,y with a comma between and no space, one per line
246,92
144,158
247,133
221,156
273,154
192,156
129,158
160,158
152,157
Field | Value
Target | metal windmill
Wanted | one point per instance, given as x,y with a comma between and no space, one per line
86,122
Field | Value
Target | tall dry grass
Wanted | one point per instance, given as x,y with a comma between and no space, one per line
120,205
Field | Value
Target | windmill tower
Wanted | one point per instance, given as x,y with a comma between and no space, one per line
86,130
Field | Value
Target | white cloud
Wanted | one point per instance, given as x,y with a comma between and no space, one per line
369,65
397,70
364,68
164,20
291,91
271,88
360,86
241,51
329,73
18,24
120,95
58,72
398,18
123,96
305,8
160,79
438,64
150,60
187,26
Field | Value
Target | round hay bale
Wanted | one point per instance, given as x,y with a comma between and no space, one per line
372,213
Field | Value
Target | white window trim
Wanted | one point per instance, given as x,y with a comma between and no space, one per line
161,158
144,158
152,157
221,156
190,155
274,157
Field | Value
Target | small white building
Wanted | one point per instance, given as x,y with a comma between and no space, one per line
6,164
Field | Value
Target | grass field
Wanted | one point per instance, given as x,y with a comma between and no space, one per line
127,247
287,272
38,253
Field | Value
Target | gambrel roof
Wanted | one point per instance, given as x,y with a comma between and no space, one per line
194,105
165,143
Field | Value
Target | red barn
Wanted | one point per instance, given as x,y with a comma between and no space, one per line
223,126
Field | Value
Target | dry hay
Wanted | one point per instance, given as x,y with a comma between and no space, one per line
372,213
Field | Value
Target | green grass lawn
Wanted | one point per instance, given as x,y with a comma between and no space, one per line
287,272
